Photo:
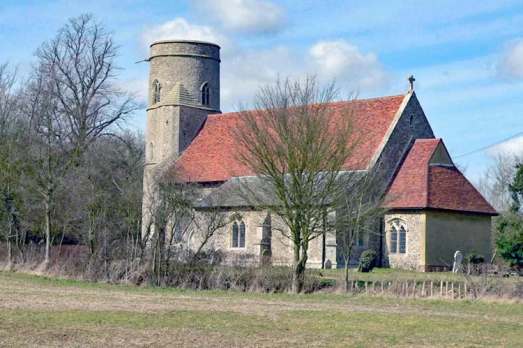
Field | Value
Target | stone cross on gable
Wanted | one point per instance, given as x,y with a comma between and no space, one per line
411,82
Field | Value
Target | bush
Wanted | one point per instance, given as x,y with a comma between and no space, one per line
368,260
474,259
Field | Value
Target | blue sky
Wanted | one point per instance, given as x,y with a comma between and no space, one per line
467,56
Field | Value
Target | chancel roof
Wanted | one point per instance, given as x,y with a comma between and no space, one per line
428,179
213,154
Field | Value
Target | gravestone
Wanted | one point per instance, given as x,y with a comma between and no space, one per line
458,259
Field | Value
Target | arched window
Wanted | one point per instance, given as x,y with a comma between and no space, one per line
205,94
398,237
242,235
238,234
156,91
393,240
235,236
403,241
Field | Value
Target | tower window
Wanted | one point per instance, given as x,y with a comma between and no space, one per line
156,91
205,94
151,151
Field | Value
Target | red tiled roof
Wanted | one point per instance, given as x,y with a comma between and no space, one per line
212,154
421,185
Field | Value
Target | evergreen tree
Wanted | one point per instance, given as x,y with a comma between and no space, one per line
510,225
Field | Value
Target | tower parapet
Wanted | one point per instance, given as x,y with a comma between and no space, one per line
191,64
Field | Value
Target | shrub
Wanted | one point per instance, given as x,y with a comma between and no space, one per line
473,258
368,260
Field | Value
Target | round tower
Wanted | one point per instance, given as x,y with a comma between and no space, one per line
193,65
184,87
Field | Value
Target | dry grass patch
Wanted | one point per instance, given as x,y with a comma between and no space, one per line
39,312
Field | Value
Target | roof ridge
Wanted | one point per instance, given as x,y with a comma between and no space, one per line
330,103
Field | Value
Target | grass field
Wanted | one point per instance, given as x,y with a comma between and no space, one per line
41,312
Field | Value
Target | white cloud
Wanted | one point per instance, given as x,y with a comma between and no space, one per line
510,65
252,16
513,147
180,29
243,74
243,71
344,62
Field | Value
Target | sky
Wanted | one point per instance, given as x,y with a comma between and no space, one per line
466,56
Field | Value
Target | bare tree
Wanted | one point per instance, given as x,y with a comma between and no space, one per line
12,158
297,146
73,100
360,209
496,179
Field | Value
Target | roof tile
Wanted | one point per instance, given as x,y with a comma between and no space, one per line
212,155
420,185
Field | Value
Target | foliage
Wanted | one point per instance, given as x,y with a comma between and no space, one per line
368,260
510,224
510,238
473,258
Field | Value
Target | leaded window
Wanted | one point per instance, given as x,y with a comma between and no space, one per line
393,240
235,236
242,235
403,240
238,234
398,237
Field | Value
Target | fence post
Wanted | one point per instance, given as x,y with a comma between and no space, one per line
366,288
466,295
452,289
447,288
431,288
459,290
423,289
441,288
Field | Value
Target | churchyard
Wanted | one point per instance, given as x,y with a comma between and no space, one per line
42,312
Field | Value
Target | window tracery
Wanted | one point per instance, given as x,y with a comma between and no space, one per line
398,237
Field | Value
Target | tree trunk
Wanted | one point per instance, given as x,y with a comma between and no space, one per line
347,275
298,276
47,257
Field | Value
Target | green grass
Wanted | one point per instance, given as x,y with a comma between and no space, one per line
43,312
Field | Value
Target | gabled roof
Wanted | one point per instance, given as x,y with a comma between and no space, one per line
428,179
212,155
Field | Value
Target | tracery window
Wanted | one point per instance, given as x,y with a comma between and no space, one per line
403,240
238,234
398,237
205,94
393,240
156,91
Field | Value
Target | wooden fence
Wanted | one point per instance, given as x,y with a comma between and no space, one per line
414,288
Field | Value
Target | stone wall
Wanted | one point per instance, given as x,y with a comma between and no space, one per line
414,223
281,247
411,124
190,63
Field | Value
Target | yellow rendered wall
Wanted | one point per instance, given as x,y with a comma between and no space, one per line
447,232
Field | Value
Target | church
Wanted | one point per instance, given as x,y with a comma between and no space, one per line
431,209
